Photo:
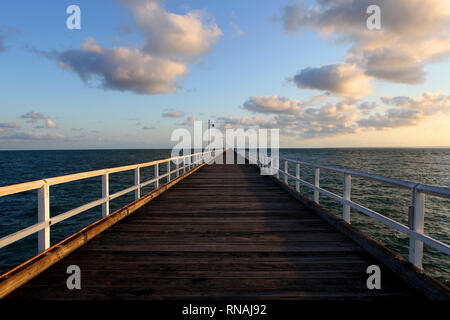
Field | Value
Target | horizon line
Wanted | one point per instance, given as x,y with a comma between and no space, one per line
166,148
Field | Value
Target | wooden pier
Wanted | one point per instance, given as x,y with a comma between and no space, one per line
221,232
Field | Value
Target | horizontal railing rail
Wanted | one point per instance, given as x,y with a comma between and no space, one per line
416,210
187,162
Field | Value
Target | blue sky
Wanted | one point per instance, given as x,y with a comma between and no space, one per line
254,56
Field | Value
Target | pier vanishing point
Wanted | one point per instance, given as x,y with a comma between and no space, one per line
222,231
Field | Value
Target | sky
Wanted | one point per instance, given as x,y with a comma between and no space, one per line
139,69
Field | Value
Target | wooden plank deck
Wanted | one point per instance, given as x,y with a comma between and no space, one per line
223,232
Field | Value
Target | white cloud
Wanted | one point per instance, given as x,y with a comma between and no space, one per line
293,16
33,116
10,125
50,124
367,107
272,104
429,103
173,35
408,111
246,122
237,31
329,120
342,79
173,114
189,121
171,41
32,136
123,68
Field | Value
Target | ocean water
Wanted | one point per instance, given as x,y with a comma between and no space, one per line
427,166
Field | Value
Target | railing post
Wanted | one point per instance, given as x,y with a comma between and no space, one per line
285,172
178,167
44,216
277,168
137,181
184,164
416,223
105,194
157,176
316,184
168,171
347,197
297,175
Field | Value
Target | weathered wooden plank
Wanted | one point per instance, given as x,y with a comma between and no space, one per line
224,232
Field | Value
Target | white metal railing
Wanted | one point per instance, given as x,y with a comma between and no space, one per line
188,162
416,213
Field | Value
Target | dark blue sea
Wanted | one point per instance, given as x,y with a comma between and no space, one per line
427,166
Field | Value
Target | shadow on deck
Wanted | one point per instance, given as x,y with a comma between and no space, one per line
223,232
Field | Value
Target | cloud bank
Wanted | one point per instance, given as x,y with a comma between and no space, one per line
414,33
408,111
333,119
30,136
